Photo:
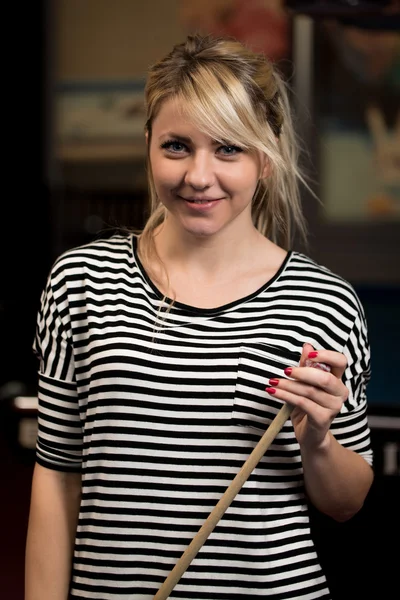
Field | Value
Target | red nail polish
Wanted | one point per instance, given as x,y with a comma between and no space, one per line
313,354
270,390
288,371
274,382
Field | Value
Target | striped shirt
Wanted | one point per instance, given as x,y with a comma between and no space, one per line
159,410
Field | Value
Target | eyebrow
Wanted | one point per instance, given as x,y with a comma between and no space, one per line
183,138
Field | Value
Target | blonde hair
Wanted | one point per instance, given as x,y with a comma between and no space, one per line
234,94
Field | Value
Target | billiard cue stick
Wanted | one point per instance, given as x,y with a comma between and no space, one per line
224,502
231,492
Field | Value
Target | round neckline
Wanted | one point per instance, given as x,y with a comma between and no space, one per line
195,309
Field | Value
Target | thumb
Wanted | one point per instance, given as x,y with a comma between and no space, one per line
307,348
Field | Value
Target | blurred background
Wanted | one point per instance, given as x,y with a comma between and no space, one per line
75,171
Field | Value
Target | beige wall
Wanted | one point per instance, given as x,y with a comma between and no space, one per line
113,39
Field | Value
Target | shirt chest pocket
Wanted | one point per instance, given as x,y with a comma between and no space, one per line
253,407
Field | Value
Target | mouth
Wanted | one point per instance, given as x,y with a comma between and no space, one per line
200,200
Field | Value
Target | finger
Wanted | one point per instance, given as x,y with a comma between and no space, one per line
316,378
306,362
311,402
335,360
307,348
287,390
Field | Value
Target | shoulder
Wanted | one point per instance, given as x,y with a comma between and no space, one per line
324,283
101,255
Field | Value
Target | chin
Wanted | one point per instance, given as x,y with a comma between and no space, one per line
202,230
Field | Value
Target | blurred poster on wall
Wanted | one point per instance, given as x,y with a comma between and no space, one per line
263,25
357,107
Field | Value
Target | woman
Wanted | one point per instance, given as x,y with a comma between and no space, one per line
164,356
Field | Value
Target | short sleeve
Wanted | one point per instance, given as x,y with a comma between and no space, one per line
351,427
59,440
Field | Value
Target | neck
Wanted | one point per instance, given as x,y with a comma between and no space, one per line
209,254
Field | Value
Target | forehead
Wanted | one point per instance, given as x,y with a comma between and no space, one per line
190,120
171,111
175,121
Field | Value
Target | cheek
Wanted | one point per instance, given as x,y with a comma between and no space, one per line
242,180
165,175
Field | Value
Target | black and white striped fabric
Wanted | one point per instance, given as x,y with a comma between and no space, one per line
161,409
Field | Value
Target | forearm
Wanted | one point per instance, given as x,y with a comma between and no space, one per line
337,479
53,518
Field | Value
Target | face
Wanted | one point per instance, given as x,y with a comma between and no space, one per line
205,186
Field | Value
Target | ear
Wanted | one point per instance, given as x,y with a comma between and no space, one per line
146,135
265,167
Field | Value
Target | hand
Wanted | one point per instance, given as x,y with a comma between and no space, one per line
317,395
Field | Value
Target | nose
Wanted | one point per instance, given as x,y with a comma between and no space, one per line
200,172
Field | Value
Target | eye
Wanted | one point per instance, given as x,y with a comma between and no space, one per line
174,146
230,150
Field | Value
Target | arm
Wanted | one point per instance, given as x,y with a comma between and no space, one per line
53,519
336,478
56,492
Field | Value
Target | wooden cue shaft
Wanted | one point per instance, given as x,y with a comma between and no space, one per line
222,505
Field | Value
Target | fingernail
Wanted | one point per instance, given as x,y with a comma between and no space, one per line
274,381
313,354
288,371
270,390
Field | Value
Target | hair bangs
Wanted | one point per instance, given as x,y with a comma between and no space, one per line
220,106
208,100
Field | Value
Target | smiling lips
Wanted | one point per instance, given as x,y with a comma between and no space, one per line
201,200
